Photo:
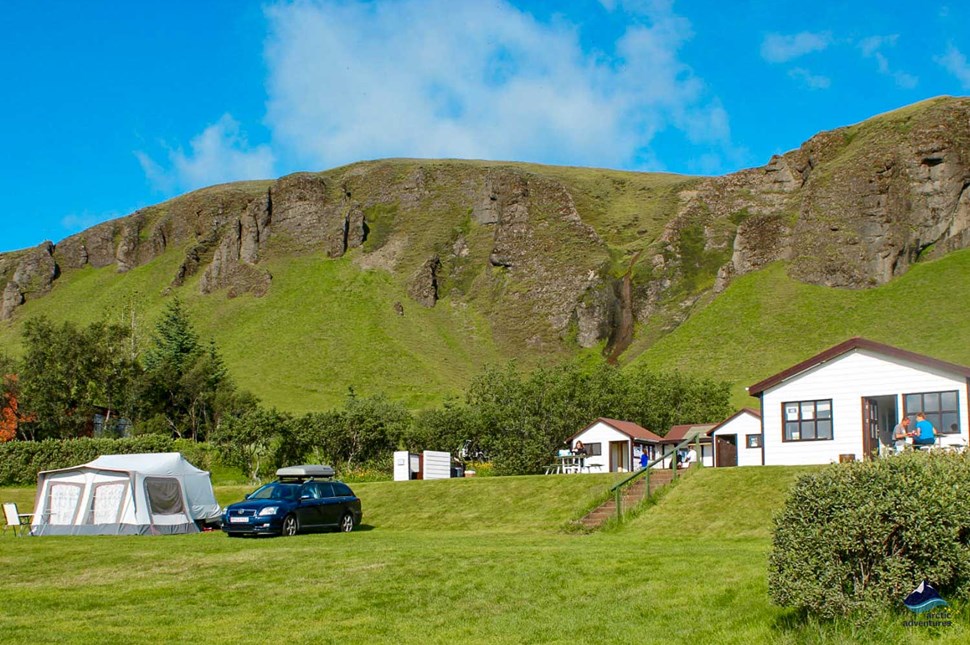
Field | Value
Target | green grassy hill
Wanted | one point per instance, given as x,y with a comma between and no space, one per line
311,349
330,323
766,321
566,237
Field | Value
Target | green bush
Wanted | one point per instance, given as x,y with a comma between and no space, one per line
20,461
862,536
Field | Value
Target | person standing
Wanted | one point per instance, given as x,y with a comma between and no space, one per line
900,434
644,458
925,432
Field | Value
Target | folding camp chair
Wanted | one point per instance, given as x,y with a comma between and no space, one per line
19,522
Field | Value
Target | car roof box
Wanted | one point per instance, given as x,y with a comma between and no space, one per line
307,471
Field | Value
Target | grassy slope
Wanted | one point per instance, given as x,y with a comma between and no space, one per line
765,322
324,326
473,560
328,324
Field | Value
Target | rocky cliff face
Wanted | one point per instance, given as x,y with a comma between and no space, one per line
535,249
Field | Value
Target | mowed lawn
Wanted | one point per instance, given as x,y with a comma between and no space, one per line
476,560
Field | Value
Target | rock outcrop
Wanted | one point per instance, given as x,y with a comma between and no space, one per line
34,271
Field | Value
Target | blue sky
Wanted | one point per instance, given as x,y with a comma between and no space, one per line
108,107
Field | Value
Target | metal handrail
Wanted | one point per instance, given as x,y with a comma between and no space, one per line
615,488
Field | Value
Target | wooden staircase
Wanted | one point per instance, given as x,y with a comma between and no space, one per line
632,495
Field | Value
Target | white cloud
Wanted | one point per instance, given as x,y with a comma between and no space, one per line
779,48
434,78
809,80
872,44
956,63
871,48
219,154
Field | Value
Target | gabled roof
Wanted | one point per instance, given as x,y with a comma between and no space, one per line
734,416
628,428
687,431
856,344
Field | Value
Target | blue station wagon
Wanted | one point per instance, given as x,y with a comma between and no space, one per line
303,499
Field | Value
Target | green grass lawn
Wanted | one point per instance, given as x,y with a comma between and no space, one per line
477,560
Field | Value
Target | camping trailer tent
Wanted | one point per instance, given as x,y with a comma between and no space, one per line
156,493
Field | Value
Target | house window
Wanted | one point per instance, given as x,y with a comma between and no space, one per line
594,449
807,420
753,440
942,409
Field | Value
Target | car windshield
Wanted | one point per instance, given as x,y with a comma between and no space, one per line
289,492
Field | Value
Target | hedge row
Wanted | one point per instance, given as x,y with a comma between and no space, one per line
20,461
856,538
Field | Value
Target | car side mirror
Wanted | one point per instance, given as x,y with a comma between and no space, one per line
248,495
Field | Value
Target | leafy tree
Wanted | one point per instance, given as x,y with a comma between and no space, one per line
67,373
254,441
522,419
10,417
371,426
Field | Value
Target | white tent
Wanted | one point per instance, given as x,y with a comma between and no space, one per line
157,493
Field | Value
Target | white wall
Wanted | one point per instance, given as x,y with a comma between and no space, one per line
846,380
707,454
602,434
435,464
742,425
402,466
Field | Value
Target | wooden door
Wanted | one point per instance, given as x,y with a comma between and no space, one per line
727,450
870,429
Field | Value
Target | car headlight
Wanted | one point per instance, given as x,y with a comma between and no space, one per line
269,510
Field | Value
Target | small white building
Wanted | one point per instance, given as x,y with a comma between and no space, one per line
615,446
837,405
697,434
738,440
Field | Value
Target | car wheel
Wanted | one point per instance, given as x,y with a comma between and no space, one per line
290,525
346,523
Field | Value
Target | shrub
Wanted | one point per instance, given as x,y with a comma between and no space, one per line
20,461
862,536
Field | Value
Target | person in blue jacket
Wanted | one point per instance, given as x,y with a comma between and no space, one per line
925,432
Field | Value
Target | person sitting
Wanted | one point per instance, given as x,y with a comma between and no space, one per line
926,434
690,458
579,449
901,434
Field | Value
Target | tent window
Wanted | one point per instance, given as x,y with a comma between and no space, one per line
107,503
62,503
164,495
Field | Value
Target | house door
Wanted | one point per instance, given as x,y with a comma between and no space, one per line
619,452
870,428
727,450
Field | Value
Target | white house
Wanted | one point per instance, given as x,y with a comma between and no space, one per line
738,440
615,446
837,404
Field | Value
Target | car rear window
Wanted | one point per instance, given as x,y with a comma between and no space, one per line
342,490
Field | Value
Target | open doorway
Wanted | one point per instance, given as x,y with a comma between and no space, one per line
619,456
879,417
